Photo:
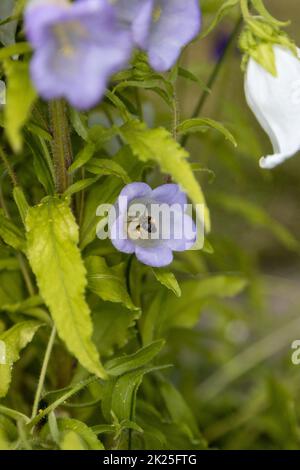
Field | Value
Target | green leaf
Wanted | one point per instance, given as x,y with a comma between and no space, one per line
20,98
77,435
187,74
70,440
179,411
202,124
55,259
108,283
11,234
12,342
167,312
112,326
83,157
120,394
42,161
167,279
124,364
159,146
14,49
80,186
21,202
104,166
79,123
99,135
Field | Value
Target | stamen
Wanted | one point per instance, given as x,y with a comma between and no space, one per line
156,13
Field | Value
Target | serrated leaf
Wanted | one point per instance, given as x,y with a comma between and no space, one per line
108,283
52,235
14,340
142,357
202,124
11,234
167,279
159,146
77,435
20,98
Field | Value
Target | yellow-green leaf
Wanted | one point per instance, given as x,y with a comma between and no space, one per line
52,235
159,146
20,98
12,342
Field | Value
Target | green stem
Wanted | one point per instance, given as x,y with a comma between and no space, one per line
61,400
61,147
214,75
8,167
43,373
25,273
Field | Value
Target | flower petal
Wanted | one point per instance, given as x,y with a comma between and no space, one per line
169,194
76,60
275,101
178,24
118,237
156,256
136,14
184,233
132,191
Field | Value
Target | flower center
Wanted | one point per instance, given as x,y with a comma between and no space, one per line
66,34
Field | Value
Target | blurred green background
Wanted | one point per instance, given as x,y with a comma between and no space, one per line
235,370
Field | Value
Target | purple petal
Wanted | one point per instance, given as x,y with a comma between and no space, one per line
39,16
137,15
183,235
132,191
156,256
177,25
117,234
77,60
169,194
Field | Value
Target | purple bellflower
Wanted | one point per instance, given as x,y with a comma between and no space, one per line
152,223
161,27
77,47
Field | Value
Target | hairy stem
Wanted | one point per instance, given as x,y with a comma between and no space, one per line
214,75
43,373
61,147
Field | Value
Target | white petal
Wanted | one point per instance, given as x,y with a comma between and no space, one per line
275,101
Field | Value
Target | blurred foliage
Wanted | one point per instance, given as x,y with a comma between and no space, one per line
195,356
